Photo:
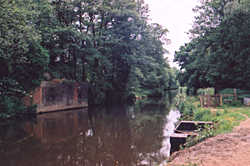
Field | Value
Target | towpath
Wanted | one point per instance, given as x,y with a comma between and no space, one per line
231,149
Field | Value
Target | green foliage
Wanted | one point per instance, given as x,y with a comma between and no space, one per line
202,115
240,95
235,103
108,44
114,48
225,118
245,111
22,58
11,105
202,135
207,91
219,49
186,106
190,164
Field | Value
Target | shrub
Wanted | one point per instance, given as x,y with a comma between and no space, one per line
9,106
203,115
203,134
235,103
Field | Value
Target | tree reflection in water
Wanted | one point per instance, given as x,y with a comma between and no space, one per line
87,138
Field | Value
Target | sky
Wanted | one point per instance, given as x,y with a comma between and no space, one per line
175,15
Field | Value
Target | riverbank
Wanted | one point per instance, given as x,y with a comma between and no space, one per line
230,149
225,144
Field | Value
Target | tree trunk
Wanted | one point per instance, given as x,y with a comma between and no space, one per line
216,90
75,67
83,71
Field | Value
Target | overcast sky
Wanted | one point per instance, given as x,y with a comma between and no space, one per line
177,17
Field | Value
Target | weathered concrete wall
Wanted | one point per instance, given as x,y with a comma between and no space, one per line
59,95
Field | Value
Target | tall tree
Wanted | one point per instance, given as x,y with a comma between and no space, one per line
22,59
219,50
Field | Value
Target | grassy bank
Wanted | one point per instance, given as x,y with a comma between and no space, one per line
225,117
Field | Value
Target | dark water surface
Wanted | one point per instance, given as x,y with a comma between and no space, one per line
79,138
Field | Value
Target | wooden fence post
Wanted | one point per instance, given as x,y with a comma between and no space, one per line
201,100
208,101
235,94
221,99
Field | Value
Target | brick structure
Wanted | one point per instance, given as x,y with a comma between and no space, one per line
58,95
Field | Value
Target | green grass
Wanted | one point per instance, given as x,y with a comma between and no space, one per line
225,117
245,110
187,164
190,164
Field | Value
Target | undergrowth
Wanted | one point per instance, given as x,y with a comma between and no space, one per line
224,118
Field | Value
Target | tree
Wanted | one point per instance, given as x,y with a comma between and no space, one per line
219,50
114,37
107,43
22,59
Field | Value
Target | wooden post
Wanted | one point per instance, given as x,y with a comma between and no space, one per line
221,99
75,97
235,94
208,101
201,100
41,96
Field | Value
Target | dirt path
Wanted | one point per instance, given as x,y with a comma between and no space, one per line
232,149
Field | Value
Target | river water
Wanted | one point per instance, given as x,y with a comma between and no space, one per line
119,136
